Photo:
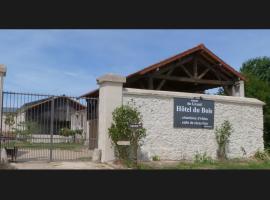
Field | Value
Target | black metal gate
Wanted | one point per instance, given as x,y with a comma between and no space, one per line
48,127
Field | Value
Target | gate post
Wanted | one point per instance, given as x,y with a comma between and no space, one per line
110,97
3,72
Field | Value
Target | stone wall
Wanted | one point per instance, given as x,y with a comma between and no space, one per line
156,107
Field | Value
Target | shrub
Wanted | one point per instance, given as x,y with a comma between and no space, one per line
222,137
78,131
155,158
68,132
262,155
26,128
203,158
120,131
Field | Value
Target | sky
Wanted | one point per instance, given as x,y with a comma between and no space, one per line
69,61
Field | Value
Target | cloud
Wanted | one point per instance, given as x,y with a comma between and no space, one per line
71,74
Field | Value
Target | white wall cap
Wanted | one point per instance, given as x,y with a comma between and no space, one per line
111,78
220,98
3,69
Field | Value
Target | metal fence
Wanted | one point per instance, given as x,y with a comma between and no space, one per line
48,127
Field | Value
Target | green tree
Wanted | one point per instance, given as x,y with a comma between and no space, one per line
257,72
260,67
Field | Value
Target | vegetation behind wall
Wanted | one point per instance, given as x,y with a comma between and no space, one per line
257,72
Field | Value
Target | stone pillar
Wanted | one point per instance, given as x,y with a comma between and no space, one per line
110,97
3,72
238,89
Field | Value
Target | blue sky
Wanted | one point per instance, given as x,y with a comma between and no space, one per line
69,61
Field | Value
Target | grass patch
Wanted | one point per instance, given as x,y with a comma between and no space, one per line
230,164
29,145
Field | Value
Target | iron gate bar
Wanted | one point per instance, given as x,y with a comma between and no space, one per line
52,127
34,112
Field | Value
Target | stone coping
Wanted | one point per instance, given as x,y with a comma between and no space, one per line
111,78
168,94
3,69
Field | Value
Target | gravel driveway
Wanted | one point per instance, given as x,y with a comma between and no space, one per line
37,165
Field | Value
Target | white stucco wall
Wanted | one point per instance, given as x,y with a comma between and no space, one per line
156,107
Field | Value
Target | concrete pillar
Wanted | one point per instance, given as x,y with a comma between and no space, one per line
238,89
110,97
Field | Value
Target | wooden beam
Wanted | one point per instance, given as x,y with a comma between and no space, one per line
195,68
162,70
173,65
142,85
133,79
164,81
150,83
198,87
205,56
194,80
232,76
186,71
217,73
219,66
204,73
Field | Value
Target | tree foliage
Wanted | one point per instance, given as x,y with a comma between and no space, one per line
260,67
257,72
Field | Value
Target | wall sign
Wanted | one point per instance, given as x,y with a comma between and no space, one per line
135,126
193,113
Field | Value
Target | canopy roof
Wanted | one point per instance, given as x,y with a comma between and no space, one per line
194,70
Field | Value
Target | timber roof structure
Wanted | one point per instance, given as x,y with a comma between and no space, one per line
194,70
